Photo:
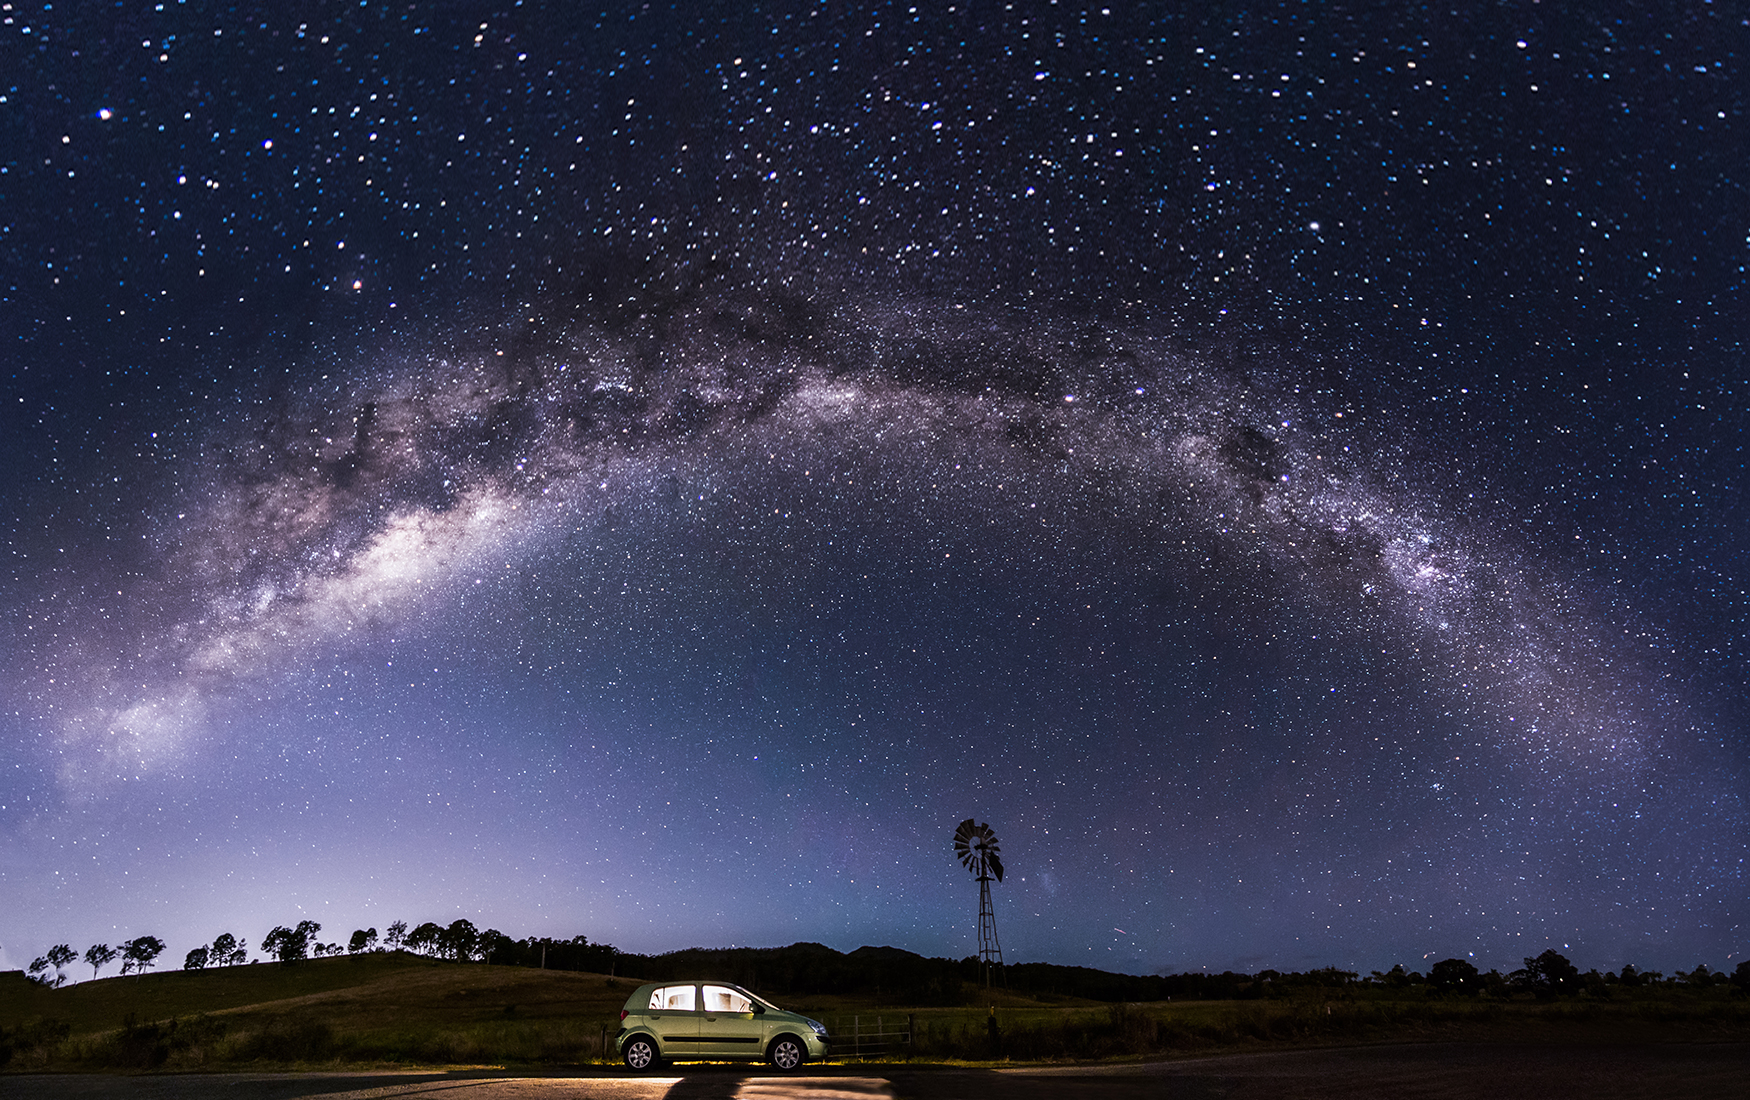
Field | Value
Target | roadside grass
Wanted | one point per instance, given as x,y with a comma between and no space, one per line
401,1010
1183,1028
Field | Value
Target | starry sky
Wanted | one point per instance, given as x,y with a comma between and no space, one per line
650,471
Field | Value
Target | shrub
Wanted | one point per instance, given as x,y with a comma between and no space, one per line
151,1045
32,1043
288,1039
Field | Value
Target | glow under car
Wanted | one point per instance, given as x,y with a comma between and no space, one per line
714,1022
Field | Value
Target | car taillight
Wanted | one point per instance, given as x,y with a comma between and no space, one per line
623,1015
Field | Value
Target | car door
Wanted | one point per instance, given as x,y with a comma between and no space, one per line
728,1025
674,1017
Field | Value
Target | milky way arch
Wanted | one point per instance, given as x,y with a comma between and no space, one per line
368,497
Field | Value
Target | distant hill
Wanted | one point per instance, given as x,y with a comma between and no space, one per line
894,974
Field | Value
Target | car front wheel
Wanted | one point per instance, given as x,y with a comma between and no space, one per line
640,1054
786,1053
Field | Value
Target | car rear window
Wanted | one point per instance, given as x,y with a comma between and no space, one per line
673,998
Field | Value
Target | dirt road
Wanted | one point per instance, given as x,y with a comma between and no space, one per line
1435,1071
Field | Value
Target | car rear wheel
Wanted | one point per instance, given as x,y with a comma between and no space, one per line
640,1054
786,1054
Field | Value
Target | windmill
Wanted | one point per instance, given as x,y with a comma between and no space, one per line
976,845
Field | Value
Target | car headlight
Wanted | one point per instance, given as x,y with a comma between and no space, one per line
819,1028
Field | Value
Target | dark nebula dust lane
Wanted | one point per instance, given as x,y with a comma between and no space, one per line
649,475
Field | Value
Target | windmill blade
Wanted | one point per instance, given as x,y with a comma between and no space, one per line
964,837
994,862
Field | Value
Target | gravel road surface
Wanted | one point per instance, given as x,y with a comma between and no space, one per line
1433,1071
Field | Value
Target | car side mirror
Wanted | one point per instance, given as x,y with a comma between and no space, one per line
758,1009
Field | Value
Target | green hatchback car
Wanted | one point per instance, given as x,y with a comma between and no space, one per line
714,1021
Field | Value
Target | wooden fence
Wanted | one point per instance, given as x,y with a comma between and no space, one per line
861,1036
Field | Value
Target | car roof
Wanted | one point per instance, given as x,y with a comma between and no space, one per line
643,991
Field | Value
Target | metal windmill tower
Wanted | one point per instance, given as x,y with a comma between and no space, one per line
976,845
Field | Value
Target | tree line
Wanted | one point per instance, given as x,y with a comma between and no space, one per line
1551,975
458,941
137,955
811,968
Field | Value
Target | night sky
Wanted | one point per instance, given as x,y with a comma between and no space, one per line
651,473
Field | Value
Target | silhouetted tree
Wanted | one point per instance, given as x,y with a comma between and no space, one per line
1454,976
576,953
141,953
1394,978
1495,984
98,956
1701,977
423,939
1551,975
291,945
228,950
1741,977
395,935
39,971
493,942
363,939
60,957
196,959
459,940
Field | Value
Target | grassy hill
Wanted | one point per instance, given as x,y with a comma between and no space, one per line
385,1007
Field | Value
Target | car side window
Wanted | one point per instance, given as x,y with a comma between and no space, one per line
719,998
673,998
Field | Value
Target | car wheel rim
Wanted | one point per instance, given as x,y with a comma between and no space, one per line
788,1057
